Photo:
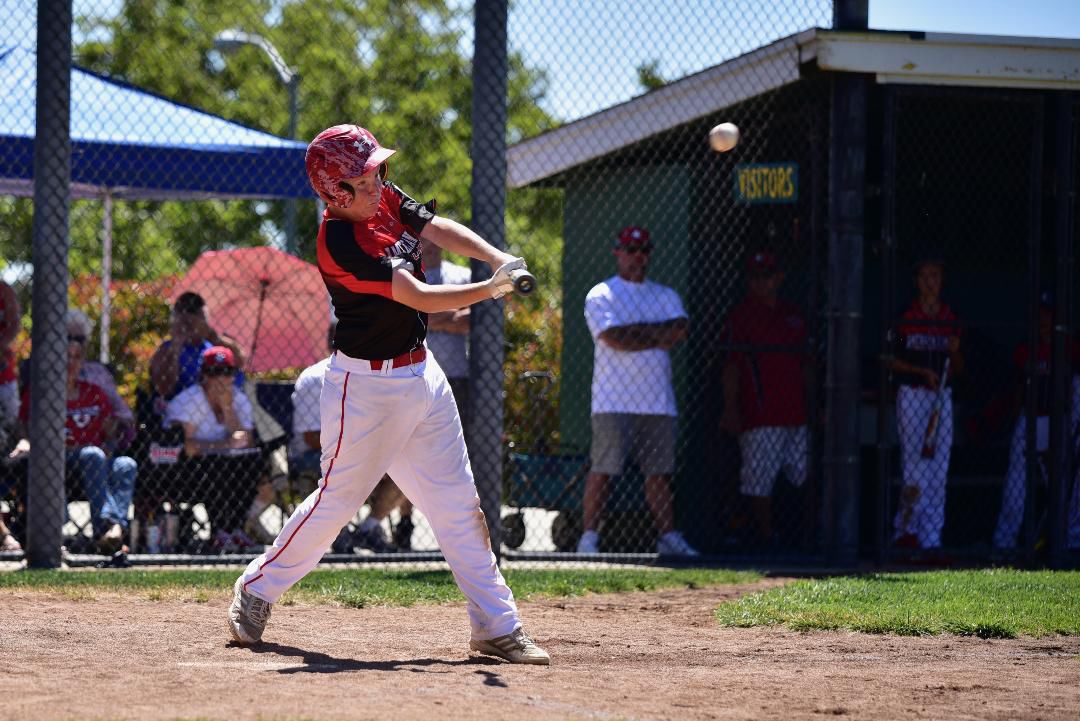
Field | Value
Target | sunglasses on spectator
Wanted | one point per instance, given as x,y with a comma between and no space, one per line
636,249
210,372
80,339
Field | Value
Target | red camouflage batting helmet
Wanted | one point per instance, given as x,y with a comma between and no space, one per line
343,151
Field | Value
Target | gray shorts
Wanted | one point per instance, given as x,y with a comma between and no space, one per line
650,438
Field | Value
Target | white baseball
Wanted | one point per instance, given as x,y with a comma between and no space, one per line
724,137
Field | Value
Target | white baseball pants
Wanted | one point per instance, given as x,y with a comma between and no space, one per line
926,516
403,421
1014,494
768,450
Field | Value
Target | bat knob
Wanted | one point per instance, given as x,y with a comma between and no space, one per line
524,281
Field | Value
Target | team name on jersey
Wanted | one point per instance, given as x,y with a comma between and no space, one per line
925,342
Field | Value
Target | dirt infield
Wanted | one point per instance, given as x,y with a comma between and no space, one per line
633,656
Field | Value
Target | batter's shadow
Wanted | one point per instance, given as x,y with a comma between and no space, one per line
316,662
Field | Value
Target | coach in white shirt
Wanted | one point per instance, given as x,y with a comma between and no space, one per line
634,323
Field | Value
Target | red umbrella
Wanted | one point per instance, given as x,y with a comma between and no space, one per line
272,303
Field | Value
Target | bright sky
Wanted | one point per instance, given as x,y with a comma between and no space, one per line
591,48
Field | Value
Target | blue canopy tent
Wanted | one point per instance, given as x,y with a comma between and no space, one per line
130,144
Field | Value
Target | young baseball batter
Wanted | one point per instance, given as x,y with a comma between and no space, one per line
386,405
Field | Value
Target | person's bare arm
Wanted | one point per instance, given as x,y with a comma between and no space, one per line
165,368
457,238
450,321
645,336
903,367
407,290
208,332
731,421
193,447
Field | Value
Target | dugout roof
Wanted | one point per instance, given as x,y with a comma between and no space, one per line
892,57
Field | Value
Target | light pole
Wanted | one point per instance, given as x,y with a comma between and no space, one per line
230,40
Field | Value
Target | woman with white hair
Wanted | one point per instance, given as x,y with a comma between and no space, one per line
91,428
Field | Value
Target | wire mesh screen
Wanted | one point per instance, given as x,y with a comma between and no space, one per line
198,326
969,301
225,340
673,413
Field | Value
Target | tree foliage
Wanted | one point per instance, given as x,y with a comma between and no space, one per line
401,68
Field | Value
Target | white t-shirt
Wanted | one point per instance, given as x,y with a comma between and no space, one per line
190,406
637,382
450,349
306,416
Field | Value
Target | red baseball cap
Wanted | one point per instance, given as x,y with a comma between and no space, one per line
217,356
761,262
340,152
632,235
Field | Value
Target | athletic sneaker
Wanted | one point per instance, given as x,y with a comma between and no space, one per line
515,647
672,543
589,542
248,615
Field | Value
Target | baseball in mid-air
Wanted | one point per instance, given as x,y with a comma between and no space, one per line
724,137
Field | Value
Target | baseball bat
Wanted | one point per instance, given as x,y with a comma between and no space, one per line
929,448
524,281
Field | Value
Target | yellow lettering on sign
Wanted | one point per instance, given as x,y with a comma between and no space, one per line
769,183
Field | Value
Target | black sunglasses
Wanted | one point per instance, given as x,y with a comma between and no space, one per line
80,339
219,371
636,249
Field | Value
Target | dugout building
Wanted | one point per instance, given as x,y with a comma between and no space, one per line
862,153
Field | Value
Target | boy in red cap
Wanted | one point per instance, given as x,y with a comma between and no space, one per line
386,405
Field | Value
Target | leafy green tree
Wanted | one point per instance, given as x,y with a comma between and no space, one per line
649,77
401,68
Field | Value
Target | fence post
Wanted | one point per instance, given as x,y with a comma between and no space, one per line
52,173
486,335
1063,440
847,175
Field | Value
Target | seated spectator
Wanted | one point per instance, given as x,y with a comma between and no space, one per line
9,387
175,364
100,375
108,480
305,453
764,389
219,443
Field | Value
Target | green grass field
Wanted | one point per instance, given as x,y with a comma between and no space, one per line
366,587
998,603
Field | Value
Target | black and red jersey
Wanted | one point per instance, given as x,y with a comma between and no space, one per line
356,259
922,339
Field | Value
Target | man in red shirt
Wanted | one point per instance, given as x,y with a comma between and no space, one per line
91,429
764,388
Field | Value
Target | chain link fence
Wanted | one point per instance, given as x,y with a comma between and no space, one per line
664,389
975,305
